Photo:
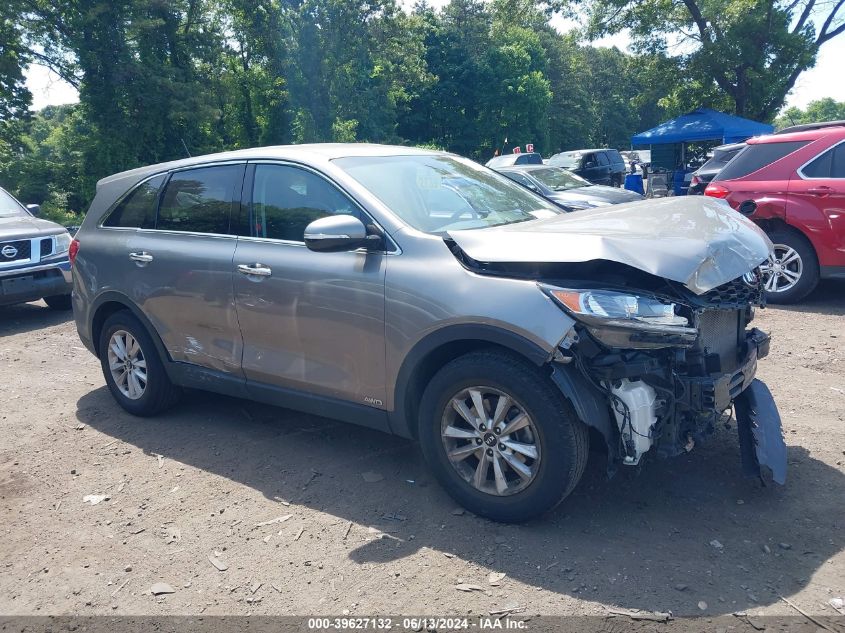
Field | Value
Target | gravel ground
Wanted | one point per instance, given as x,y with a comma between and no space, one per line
304,515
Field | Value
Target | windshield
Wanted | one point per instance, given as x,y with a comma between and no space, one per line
567,161
9,207
559,179
436,193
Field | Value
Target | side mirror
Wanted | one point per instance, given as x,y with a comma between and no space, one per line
34,209
335,233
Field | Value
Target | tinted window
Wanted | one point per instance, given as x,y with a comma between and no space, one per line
200,200
831,164
529,159
820,168
138,209
287,199
838,169
602,158
615,157
719,160
755,157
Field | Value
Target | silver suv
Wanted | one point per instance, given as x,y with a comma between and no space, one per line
33,256
421,294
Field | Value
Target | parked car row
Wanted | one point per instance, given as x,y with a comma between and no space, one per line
792,184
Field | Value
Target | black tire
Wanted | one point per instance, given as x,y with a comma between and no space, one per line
59,302
562,438
809,278
616,180
159,393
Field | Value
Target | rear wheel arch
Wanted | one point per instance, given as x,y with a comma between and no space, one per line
437,349
111,303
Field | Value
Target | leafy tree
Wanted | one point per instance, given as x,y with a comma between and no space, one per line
826,109
750,51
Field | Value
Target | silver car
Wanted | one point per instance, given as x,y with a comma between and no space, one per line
421,294
34,260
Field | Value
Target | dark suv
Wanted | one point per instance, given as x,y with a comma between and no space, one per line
419,293
599,166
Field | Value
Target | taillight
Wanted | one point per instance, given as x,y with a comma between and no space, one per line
716,191
72,251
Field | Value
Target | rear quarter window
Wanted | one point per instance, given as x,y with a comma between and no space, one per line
138,209
754,157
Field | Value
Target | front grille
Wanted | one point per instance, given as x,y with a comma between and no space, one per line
46,247
719,334
737,293
14,251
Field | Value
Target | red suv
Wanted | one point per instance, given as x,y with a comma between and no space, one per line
793,185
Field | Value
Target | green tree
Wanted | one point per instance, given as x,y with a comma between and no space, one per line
826,109
750,51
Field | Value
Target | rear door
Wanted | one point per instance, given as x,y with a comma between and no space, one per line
176,266
817,203
311,322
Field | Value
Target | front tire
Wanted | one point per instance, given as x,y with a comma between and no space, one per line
132,368
793,272
520,457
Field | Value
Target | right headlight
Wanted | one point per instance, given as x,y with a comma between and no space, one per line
622,319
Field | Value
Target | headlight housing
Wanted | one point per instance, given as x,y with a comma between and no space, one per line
621,319
62,243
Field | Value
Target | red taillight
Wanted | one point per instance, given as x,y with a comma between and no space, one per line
716,191
72,251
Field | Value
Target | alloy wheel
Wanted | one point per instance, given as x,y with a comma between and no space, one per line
783,270
127,364
490,441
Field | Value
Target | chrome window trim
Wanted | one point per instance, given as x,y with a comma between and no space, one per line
817,156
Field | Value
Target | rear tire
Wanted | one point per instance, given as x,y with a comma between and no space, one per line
127,353
520,487
790,245
59,302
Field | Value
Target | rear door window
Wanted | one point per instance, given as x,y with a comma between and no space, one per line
138,209
755,157
602,158
831,164
201,200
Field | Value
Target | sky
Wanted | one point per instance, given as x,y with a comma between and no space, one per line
823,80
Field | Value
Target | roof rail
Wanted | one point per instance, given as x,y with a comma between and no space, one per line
810,126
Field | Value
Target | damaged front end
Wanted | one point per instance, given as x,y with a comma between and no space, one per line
662,294
671,365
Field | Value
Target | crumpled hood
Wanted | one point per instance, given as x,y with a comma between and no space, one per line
20,227
697,241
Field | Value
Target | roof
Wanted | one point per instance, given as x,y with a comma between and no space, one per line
318,151
811,134
702,124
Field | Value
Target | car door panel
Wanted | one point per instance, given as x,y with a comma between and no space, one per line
182,279
816,201
316,322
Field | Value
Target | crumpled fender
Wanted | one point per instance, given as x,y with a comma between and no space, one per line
760,432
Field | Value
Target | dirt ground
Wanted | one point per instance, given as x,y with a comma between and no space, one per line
209,478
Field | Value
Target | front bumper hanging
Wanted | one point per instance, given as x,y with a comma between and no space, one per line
760,432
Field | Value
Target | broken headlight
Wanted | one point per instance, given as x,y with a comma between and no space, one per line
622,319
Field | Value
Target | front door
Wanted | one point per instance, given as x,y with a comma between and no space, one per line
311,322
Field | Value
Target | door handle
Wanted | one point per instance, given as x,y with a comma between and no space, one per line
821,190
141,256
259,270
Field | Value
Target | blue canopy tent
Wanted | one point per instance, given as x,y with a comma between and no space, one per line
667,141
703,124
